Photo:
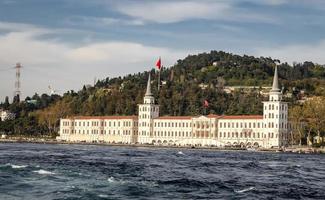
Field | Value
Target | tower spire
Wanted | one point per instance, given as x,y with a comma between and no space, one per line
148,92
275,86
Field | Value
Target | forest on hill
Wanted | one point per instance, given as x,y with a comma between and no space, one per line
184,88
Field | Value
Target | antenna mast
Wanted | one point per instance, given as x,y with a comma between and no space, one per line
17,82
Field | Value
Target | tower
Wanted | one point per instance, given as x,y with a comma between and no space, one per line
17,92
275,116
147,112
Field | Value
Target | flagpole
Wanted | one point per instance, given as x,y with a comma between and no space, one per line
158,80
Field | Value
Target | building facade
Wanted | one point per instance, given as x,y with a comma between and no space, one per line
267,130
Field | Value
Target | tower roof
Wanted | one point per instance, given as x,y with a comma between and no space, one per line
148,92
275,86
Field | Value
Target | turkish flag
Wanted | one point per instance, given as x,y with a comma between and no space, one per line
158,63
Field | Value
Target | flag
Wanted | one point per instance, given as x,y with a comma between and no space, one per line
206,103
158,63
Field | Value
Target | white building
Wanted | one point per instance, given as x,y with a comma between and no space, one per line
267,130
6,115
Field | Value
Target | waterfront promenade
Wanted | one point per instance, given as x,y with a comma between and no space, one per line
292,149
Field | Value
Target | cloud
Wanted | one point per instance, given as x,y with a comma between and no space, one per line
4,26
101,21
296,52
67,66
177,11
168,12
269,2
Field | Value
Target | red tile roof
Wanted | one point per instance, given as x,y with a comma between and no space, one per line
175,117
104,117
242,117
134,117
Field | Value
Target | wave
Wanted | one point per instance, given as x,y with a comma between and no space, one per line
18,166
14,166
44,172
245,190
103,196
184,182
111,179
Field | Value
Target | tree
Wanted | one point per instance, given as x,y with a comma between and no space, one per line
296,116
314,111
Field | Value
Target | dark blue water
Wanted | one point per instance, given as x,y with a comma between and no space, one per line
39,171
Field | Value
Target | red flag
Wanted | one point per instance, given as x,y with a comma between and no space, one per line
158,63
206,103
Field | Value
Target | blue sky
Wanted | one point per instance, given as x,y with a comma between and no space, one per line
67,43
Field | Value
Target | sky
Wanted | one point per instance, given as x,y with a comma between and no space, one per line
68,43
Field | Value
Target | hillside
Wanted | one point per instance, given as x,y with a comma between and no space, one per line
185,86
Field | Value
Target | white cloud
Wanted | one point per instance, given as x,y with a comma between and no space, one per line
101,21
4,26
270,2
168,12
177,11
68,67
296,53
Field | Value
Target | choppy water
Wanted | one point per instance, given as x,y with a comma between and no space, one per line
37,171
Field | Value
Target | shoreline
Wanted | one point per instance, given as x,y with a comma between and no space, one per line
299,150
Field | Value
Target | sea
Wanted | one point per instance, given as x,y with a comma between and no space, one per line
54,171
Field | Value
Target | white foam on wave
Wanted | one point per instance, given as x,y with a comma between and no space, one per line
103,196
111,179
18,166
15,166
44,172
245,190
115,181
